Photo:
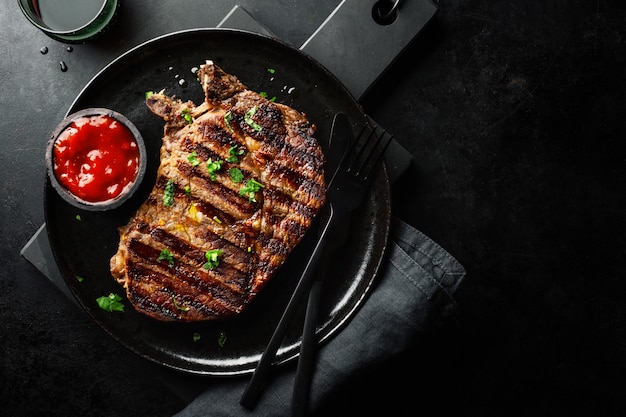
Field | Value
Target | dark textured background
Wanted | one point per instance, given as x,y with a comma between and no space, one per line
514,112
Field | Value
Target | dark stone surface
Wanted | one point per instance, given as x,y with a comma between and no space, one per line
514,112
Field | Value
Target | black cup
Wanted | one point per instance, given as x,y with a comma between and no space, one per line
71,21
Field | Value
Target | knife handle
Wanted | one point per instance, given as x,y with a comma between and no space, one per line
259,377
306,360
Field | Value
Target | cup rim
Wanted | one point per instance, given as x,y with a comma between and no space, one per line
61,33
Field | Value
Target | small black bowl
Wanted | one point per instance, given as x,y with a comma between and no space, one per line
128,190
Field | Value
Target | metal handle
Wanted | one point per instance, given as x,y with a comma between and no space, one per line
385,12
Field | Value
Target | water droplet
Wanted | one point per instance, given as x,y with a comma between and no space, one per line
194,70
44,50
63,66
69,49
182,82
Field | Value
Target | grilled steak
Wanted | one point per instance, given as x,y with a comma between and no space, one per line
239,183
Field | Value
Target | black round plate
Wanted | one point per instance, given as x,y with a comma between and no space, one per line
83,242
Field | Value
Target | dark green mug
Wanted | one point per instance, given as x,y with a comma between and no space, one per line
71,21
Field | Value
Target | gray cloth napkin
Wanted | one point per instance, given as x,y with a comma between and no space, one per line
416,287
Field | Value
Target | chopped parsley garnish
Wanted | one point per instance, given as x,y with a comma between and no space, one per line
212,258
196,337
187,190
228,116
166,255
235,174
186,116
264,95
234,153
110,303
79,278
217,220
168,193
78,217
213,167
248,118
271,70
193,159
221,339
185,309
250,189
148,94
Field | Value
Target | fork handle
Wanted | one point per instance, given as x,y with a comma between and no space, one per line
259,377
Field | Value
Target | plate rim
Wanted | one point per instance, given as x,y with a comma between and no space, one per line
383,178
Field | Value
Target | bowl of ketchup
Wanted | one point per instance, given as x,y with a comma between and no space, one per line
96,159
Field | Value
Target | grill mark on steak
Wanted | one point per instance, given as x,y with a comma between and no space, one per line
216,133
189,273
184,280
218,193
288,179
234,256
209,211
203,152
153,292
214,198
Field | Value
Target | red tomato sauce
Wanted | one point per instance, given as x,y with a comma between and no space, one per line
96,158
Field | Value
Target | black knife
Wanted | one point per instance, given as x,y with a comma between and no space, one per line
340,138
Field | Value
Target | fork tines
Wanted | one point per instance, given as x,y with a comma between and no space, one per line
370,144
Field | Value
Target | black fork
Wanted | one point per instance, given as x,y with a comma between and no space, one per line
346,192
353,178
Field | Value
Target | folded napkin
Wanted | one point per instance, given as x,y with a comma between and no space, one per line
415,287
